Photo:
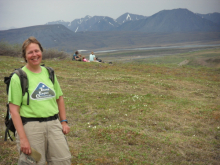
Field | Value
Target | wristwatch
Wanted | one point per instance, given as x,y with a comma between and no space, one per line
64,121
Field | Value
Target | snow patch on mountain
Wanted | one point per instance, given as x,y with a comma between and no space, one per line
76,29
128,17
111,23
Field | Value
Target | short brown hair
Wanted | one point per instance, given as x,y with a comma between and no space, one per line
27,42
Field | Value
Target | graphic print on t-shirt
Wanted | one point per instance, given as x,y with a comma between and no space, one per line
42,92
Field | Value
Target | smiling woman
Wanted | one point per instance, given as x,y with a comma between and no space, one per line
38,121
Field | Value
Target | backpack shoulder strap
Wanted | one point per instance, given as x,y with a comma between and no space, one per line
23,79
24,82
51,73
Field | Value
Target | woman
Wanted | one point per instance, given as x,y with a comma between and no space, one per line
42,131
92,57
76,57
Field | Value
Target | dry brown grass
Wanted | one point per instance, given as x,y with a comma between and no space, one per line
132,113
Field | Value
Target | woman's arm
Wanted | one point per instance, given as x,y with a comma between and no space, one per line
62,114
16,118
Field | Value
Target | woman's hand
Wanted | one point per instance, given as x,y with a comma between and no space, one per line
66,128
25,146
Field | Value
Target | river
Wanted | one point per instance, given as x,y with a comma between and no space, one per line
162,47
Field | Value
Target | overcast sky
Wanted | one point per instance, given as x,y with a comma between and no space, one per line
23,13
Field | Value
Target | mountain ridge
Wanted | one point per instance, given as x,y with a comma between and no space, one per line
166,27
203,22
176,20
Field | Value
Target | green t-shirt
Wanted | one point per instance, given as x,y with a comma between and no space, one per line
42,94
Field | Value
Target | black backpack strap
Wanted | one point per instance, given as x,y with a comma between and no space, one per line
23,79
7,132
6,123
24,82
51,73
7,113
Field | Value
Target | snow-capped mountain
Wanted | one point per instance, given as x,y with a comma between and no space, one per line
104,24
84,24
176,20
129,17
98,23
164,27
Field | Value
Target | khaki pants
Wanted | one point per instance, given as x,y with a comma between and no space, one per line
48,139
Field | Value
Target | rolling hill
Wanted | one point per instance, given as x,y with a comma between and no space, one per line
49,35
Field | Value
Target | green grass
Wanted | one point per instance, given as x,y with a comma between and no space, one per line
134,113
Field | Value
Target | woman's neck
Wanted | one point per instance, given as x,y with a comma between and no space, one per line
35,69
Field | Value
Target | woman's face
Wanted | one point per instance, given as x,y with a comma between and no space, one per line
33,54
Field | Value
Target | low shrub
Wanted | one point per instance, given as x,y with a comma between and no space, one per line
7,49
54,53
14,50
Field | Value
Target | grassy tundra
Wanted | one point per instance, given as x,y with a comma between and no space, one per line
154,112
